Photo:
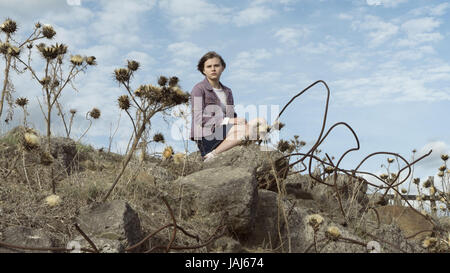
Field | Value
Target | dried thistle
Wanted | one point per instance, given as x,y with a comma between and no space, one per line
61,49
167,153
122,75
284,146
178,158
315,220
390,160
384,176
73,111
91,60
427,184
333,233
173,81
37,25
48,52
329,169
162,81
158,138
46,158
133,65
442,168
13,51
53,200
22,101
45,81
95,113
9,26
30,141
416,181
77,60
4,47
404,191
48,31
444,157
277,125
441,174
124,102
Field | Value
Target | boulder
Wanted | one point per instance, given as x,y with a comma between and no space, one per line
114,220
256,159
225,195
27,237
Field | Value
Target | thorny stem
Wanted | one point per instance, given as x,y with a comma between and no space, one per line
6,79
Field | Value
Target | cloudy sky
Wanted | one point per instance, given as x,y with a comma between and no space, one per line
386,62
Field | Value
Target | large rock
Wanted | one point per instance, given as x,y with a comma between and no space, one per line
26,237
409,221
114,220
256,159
63,150
227,194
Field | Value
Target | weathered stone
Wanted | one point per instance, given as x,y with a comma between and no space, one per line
256,159
221,194
297,187
114,220
27,237
409,221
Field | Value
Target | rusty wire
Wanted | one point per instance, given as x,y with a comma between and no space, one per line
320,140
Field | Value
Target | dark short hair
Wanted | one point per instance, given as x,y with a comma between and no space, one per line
207,56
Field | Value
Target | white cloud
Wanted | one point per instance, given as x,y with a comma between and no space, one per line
419,31
386,3
253,15
187,16
379,31
434,160
290,36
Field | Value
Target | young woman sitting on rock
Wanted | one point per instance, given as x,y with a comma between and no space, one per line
215,126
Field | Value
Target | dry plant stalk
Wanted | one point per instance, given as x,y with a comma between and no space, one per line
147,100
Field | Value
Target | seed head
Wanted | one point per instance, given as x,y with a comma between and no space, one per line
441,174
283,146
173,81
404,191
133,65
315,220
73,111
37,25
4,47
390,160
167,153
95,113
122,75
329,169
61,49
416,181
158,138
46,158
9,26
45,81
429,242
76,60
178,158
384,176
124,102
31,141
48,31
333,233
53,200
442,168
427,184
48,52
14,51
22,101
162,81
91,60
444,157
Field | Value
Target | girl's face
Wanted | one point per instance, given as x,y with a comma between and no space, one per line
213,69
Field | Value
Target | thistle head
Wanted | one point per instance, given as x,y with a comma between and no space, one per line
48,31
167,153
76,60
13,51
95,113
133,65
122,75
444,157
91,60
53,200
390,160
4,47
333,233
73,111
8,26
48,52
158,138
30,141
22,101
384,176
173,81
315,220
124,102
61,49
162,81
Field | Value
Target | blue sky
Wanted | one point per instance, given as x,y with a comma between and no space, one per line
386,62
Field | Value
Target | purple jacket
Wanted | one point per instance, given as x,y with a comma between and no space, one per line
206,111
